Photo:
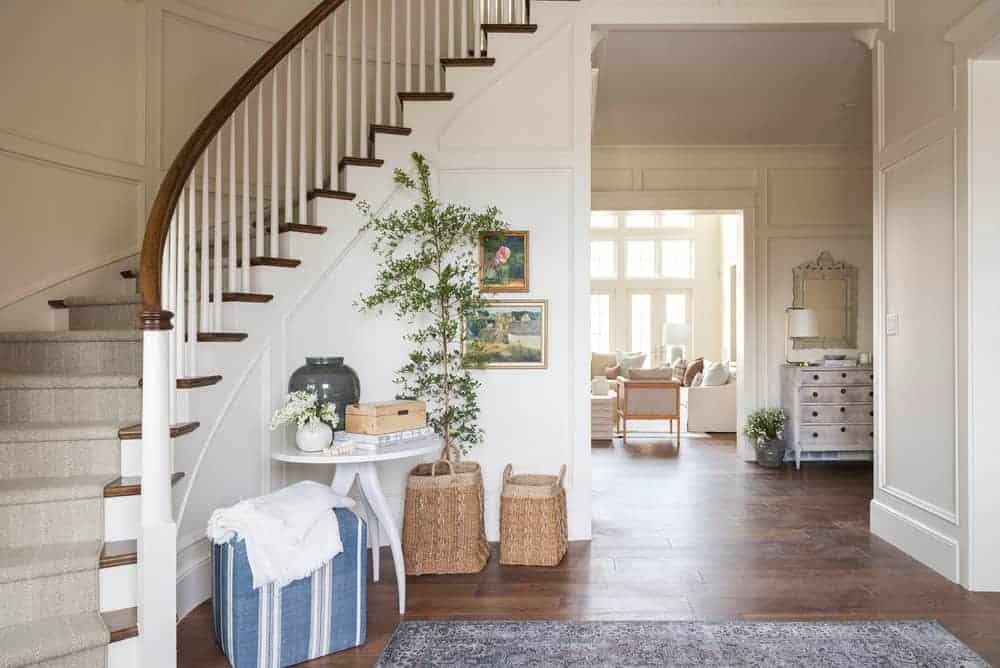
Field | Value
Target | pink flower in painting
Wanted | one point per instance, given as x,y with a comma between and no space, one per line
503,254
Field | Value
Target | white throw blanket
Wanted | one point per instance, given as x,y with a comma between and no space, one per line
288,534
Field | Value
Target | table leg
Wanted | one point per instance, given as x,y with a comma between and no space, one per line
373,536
368,476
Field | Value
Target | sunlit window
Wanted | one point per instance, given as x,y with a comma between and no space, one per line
676,312
603,220
642,322
602,259
640,259
676,220
676,259
600,323
641,219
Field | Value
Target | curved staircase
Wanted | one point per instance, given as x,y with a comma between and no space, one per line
89,417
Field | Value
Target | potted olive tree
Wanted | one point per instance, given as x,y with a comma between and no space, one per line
428,274
765,427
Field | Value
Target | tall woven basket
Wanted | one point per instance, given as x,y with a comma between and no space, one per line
443,528
533,529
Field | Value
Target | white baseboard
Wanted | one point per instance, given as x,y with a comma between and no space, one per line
194,576
928,546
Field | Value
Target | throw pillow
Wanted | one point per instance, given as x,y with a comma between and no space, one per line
630,361
715,374
666,373
599,362
612,372
698,381
693,370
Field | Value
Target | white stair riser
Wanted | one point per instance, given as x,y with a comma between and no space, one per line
124,653
131,458
53,522
118,588
121,518
58,458
29,600
79,357
69,404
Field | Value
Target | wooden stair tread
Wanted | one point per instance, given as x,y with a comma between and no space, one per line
245,297
58,303
301,227
192,382
443,96
510,27
221,337
132,485
378,128
351,161
197,381
472,61
122,624
266,261
331,194
119,553
134,432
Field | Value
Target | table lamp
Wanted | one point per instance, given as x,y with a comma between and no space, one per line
800,323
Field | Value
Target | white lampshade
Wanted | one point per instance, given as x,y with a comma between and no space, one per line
802,323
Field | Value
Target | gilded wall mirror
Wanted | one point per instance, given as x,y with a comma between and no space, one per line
830,288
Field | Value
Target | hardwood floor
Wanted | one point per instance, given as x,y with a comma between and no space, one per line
694,534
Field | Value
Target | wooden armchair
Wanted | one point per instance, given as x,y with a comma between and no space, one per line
648,400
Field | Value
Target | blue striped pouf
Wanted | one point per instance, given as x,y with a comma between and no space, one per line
273,626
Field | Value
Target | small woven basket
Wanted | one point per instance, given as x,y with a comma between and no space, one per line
443,529
533,530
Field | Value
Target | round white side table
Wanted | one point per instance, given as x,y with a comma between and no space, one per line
361,463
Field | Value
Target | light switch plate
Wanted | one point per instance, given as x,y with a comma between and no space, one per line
891,324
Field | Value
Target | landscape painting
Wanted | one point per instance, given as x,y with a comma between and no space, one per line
508,335
503,261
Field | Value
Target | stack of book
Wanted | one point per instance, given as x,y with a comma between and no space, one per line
376,441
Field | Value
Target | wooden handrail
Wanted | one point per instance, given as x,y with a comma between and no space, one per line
158,221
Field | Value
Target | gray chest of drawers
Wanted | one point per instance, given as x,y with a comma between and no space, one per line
831,412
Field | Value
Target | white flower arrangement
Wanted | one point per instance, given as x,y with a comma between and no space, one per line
302,408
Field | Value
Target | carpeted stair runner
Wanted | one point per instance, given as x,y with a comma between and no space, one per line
63,398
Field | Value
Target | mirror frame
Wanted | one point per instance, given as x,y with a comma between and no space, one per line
825,268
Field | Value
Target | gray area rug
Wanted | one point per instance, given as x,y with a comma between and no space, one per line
770,644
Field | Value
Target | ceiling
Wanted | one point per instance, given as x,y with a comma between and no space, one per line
722,88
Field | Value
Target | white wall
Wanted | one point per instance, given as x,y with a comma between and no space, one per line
807,199
920,234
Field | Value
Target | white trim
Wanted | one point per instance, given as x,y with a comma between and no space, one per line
932,548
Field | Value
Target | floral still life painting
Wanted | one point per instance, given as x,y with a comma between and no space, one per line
503,261
508,335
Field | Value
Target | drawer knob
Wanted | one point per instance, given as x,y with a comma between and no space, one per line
815,395
871,434
843,390
871,413
843,375
843,429
815,414
842,409
815,435
871,376
815,376
871,394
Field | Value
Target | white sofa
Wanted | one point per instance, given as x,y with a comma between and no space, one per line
711,409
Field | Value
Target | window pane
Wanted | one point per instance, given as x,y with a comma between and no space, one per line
677,220
676,309
641,323
600,323
603,219
640,258
602,259
640,219
677,258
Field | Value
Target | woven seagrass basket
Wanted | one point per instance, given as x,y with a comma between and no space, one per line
443,528
533,529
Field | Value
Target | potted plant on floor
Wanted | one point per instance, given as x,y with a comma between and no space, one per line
765,427
428,274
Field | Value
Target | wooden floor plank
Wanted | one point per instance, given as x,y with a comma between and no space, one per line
694,534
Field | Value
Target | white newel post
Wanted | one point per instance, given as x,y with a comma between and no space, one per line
158,532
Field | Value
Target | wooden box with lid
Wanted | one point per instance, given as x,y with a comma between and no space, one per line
386,417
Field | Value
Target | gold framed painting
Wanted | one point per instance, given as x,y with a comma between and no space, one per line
508,334
503,261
